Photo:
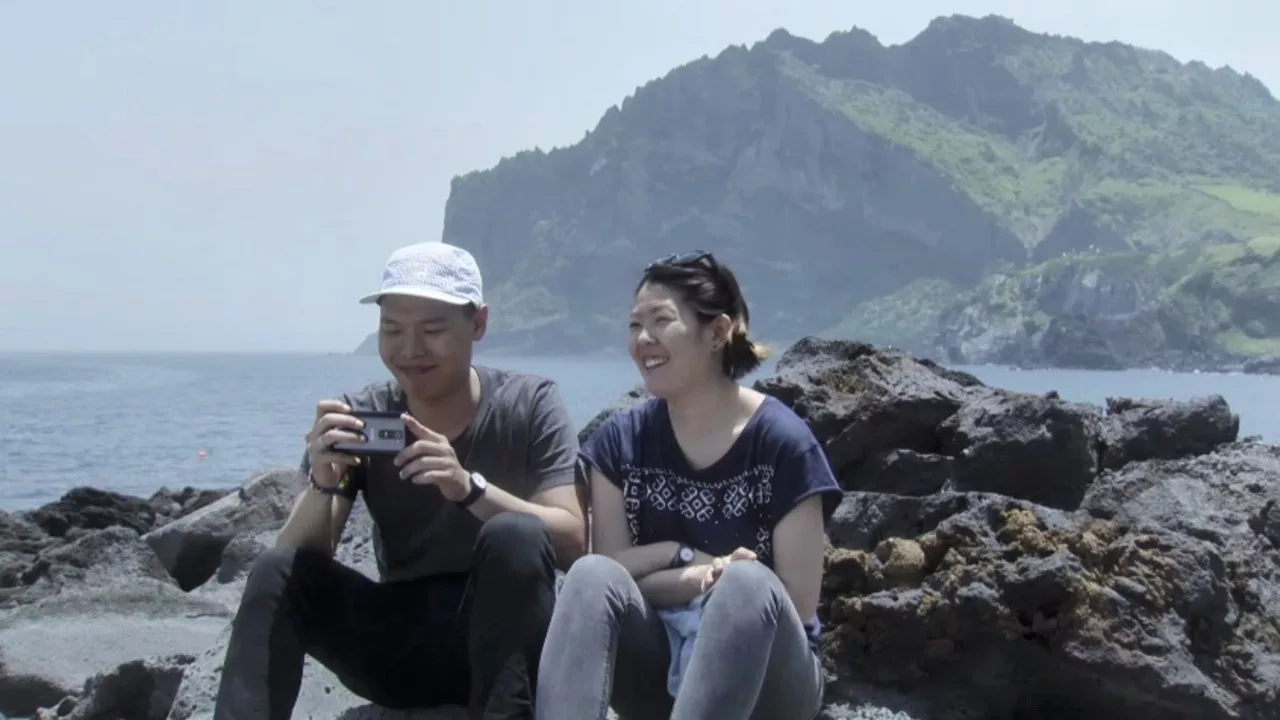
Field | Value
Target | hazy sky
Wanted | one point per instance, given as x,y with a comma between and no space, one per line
231,175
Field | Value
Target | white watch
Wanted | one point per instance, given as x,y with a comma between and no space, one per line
478,486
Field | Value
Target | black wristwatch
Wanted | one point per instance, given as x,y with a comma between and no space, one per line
478,486
683,556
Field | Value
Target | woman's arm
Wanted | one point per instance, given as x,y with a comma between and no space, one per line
668,588
649,564
798,545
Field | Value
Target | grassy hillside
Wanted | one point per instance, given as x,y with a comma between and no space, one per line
1156,150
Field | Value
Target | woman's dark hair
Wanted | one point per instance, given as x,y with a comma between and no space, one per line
711,290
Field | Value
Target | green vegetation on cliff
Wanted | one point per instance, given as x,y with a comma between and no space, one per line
980,188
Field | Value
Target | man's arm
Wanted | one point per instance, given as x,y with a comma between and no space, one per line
552,461
557,507
317,520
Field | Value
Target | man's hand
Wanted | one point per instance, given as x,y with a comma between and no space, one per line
718,565
334,424
430,460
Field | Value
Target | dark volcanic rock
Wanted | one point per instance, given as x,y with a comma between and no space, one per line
1269,365
83,534
1021,608
1225,501
20,542
138,690
173,504
1138,429
629,399
901,472
114,554
191,547
86,508
962,572
1025,446
860,401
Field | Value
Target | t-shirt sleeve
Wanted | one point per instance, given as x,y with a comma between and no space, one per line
801,473
603,449
553,453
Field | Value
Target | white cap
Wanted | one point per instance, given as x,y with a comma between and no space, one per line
431,270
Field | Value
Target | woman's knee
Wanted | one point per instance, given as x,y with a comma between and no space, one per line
595,578
749,582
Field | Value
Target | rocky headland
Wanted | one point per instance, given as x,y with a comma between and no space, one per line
997,555
978,194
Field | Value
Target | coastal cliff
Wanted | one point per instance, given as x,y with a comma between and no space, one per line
1005,193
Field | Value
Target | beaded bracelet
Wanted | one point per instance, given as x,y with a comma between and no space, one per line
335,490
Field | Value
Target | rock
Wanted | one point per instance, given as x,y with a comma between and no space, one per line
171,505
101,557
860,401
1268,365
20,541
138,689
1024,446
629,399
901,472
1138,429
1226,499
1030,606
86,508
190,548
50,648
27,539
1008,571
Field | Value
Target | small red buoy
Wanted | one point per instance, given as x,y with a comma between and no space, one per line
202,454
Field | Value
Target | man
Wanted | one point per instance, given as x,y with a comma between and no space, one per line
471,520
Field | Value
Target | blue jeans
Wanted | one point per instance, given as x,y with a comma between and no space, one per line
607,646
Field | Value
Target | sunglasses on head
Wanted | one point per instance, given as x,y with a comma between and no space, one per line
692,257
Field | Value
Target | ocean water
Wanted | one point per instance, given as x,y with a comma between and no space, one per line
135,423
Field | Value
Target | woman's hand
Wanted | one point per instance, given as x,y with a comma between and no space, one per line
718,564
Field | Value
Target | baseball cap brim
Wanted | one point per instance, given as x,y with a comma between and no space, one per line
425,293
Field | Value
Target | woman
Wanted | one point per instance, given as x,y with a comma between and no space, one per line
708,503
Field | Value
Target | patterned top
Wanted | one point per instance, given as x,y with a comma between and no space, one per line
774,464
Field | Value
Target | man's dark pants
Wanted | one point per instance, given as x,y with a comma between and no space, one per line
472,640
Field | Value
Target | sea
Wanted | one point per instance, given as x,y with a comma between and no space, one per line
136,423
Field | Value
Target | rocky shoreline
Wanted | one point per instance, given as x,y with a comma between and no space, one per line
996,555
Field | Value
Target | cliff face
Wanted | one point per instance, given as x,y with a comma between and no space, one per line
1201,307
848,182
730,155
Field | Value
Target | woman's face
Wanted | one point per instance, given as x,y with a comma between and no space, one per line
670,345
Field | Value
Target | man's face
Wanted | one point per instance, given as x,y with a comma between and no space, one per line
426,344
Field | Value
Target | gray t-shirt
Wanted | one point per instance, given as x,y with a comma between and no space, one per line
521,440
